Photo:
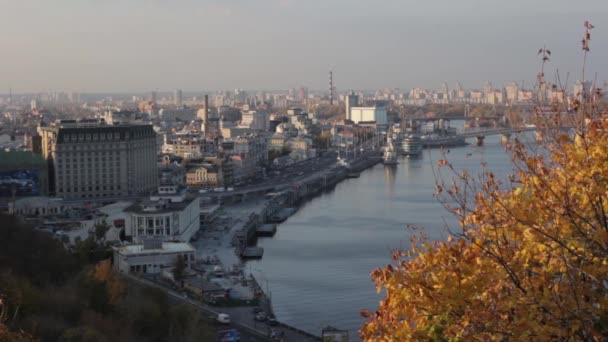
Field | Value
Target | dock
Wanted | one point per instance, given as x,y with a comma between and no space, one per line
281,215
353,175
252,252
266,230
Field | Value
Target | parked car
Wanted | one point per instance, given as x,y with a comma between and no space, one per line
272,321
261,316
223,318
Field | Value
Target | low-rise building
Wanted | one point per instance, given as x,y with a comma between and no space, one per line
243,168
152,256
185,146
276,142
204,175
169,215
301,148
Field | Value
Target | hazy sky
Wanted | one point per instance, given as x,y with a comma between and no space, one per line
139,45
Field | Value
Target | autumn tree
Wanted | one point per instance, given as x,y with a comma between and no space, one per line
115,286
530,258
11,336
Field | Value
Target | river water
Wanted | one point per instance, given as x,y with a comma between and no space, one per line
317,265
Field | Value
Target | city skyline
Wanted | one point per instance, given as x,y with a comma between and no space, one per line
145,45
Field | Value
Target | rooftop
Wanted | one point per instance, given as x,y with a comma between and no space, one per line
167,247
159,206
21,160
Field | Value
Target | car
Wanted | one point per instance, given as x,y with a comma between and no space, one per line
223,318
261,316
272,321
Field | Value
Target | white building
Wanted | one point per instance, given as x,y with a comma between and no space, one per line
369,114
152,256
169,215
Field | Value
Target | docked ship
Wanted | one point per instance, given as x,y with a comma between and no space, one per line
437,140
412,145
390,152
442,135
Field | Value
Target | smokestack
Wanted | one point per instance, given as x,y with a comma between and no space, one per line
331,88
206,118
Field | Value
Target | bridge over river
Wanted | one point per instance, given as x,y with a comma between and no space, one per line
480,133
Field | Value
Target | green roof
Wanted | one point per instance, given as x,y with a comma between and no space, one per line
21,160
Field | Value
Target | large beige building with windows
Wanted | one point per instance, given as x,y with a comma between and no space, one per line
91,159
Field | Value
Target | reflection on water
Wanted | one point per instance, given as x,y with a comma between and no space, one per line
318,263
389,175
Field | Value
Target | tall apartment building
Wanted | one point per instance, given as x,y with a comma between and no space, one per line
257,120
352,100
90,159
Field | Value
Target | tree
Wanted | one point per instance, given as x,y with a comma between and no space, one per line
179,269
100,230
115,287
530,259
9,336
322,141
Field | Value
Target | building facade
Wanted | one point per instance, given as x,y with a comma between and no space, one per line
90,159
170,215
369,114
204,175
351,101
152,256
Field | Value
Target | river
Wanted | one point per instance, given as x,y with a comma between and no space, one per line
317,265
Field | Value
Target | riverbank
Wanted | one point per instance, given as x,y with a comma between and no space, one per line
318,263
237,222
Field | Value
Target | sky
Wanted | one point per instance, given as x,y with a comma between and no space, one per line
206,45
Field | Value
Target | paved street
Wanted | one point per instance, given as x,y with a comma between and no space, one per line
242,318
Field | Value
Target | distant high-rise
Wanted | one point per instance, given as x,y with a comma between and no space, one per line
153,96
487,88
177,97
445,90
512,92
302,93
206,115
581,89
352,100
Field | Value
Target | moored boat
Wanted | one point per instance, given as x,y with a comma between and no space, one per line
412,145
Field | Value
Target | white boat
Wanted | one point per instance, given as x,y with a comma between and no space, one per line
412,145
343,162
389,158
